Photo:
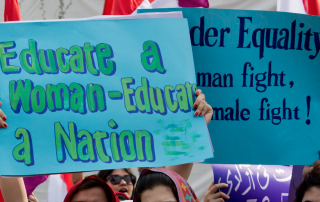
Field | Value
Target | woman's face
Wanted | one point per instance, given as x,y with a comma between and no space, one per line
158,194
94,194
312,195
123,187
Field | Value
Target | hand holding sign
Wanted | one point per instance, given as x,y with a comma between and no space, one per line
309,168
211,194
315,165
3,118
203,108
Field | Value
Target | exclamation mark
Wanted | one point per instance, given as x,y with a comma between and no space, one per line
308,108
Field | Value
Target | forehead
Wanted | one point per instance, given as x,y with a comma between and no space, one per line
95,194
120,172
158,194
312,195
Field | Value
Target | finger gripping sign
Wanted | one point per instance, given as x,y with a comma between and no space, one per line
259,71
254,183
92,95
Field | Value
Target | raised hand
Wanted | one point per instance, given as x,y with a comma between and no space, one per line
211,194
3,118
203,108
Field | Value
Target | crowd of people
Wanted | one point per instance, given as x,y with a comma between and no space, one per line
166,184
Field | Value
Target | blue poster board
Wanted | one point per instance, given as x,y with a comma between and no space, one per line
260,73
92,95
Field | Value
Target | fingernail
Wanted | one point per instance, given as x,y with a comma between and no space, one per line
197,92
195,106
200,114
311,168
5,125
4,118
196,114
0,126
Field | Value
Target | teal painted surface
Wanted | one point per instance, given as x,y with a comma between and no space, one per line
282,45
130,139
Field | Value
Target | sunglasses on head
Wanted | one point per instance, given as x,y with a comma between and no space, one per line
116,179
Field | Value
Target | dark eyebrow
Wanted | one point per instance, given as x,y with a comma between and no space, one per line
307,201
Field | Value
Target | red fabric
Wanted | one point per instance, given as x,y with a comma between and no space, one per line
67,178
1,197
312,7
74,188
11,10
121,7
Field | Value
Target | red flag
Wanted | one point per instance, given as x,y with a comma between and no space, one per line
312,7
11,10
59,185
121,7
67,178
1,197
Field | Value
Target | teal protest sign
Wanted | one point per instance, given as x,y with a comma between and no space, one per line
260,72
91,95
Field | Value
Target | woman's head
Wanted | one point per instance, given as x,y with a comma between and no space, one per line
155,185
162,185
121,180
92,188
309,189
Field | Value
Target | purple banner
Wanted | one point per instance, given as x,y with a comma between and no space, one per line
296,180
254,183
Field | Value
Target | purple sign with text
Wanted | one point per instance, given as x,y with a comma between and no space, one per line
296,180
254,183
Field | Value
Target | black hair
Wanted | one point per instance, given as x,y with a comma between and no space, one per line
121,197
151,180
89,183
104,174
311,179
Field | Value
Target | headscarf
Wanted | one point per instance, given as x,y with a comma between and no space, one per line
185,192
76,186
